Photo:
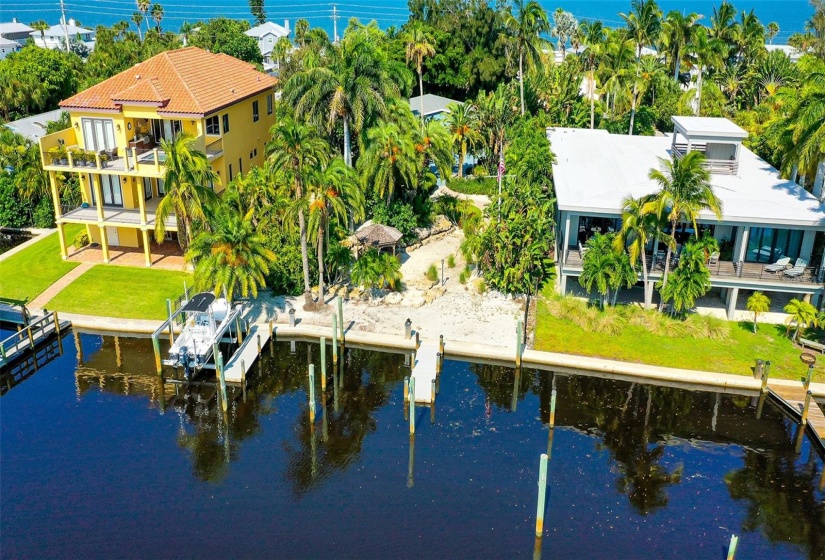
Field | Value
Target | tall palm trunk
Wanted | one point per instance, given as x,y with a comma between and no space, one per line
421,95
699,94
592,100
644,278
521,79
635,92
320,265
347,145
302,228
667,262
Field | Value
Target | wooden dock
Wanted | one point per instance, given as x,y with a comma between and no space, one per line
241,362
424,371
792,400
28,339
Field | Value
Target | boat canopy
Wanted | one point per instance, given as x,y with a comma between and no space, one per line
199,303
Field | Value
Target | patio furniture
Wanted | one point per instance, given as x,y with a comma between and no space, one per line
797,270
582,250
781,264
713,260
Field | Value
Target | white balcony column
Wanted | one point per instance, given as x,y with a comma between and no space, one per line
733,295
566,242
740,247
807,249
563,284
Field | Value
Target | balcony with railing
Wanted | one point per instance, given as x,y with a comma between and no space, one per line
722,270
721,166
116,216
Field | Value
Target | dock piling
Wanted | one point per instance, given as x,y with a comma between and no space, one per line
553,409
441,344
519,336
412,406
312,393
334,339
341,318
407,329
406,389
809,376
805,407
271,338
324,364
259,344
734,540
438,363
222,380
171,327
765,371
31,336
542,495
432,392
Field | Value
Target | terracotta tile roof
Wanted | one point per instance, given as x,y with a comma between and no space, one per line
185,81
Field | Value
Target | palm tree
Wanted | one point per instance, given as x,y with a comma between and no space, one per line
564,28
678,32
772,31
366,271
143,8
332,193
638,223
389,268
301,28
419,47
232,256
281,50
685,191
462,122
187,174
806,124
42,27
294,152
351,88
800,313
758,303
597,266
137,19
643,26
523,34
496,111
186,29
390,158
594,39
157,15
706,51
688,283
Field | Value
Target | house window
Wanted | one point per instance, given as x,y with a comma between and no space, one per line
767,245
213,127
226,123
255,115
240,165
98,134
161,187
147,188
269,104
230,171
109,189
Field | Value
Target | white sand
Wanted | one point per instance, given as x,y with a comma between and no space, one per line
460,314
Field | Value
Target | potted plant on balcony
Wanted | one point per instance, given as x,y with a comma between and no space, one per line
91,159
58,155
104,158
78,157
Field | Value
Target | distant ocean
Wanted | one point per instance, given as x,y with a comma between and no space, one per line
789,14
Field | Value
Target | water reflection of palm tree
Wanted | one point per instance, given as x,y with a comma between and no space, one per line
767,481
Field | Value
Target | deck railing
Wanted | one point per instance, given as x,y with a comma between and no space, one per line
720,166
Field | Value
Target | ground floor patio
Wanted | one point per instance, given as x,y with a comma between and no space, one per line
166,255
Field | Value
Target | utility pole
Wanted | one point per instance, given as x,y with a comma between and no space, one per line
65,25
335,17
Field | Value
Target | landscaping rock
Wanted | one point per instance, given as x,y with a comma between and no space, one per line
393,298
355,294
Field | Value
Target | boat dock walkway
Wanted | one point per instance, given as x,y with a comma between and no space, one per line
241,362
792,399
29,338
424,372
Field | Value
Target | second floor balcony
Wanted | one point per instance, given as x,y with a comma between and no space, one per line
61,151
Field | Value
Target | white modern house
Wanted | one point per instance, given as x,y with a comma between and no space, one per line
769,225
15,31
435,106
55,36
267,35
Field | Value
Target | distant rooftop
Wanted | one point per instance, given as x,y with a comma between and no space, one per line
61,29
269,27
709,127
433,104
8,42
34,127
10,27
595,171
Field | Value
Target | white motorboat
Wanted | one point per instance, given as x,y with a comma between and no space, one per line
206,320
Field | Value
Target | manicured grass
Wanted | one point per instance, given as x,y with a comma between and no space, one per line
25,275
120,291
636,344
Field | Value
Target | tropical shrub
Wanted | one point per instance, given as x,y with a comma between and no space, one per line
14,211
432,273
81,239
399,215
451,261
462,277
43,214
474,185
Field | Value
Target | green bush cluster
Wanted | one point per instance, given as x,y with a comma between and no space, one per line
474,185
81,240
432,273
14,211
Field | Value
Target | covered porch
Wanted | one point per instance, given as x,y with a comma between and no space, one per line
166,255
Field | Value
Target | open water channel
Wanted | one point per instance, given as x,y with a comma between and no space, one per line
99,460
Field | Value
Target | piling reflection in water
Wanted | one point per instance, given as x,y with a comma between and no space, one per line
646,442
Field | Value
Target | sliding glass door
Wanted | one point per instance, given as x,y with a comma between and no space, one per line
98,134
768,244
110,189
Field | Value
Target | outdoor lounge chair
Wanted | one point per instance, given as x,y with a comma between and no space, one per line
798,268
781,264
582,250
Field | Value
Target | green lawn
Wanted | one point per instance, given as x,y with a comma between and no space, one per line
636,344
120,291
25,275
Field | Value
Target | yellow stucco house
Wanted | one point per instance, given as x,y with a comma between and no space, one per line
113,144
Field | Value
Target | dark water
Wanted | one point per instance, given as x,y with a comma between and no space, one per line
98,462
11,240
